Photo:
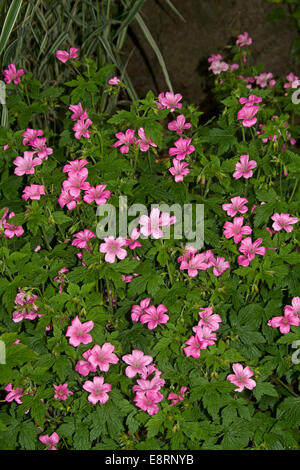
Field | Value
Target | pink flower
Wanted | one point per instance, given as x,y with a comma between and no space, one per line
147,401
37,248
137,363
154,316
81,128
39,146
214,57
103,356
193,263
138,310
124,140
262,80
244,167
179,170
249,250
33,192
78,332
31,134
78,112
75,166
283,221
11,74
82,238
144,141
62,392
209,319
151,225
176,398
97,389
169,101
236,229
247,114
114,81
294,308
50,441
6,147
84,368
179,124
208,338
285,322
12,230
14,393
243,40
25,165
241,377
97,194
113,248
251,100
182,148
76,182
237,205
64,56
218,66
234,67
65,199
220,266
195,344
292,81
132,241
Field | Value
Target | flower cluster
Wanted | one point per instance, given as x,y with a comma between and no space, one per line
204,336
27,310
192,262
290,317
125,140
82,121
10,230
64,56
249,110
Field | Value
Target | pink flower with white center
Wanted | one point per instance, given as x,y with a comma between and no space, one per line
220,266
208,338
209,319
144,385
12,230
33,192
262,79
103,356
14,393
176,398
65,199
169,100
218,66
236,229
292,81
75,166
285,322
179,170
283,221
62,392
182,148
244,167
249,250
84,368
97,194
132,241
147,401
82,239
31,134
11,74
151,225
195,344
154,316
78,332
251,100
214,57
247,114
114,81
243,40
179,125
76,182
81,128
138,310
39,146
113,248
137,363
237,205
78,112
64,56
144,141
50,441
294,308
241,377
25,165
193,263
124,140
97,389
